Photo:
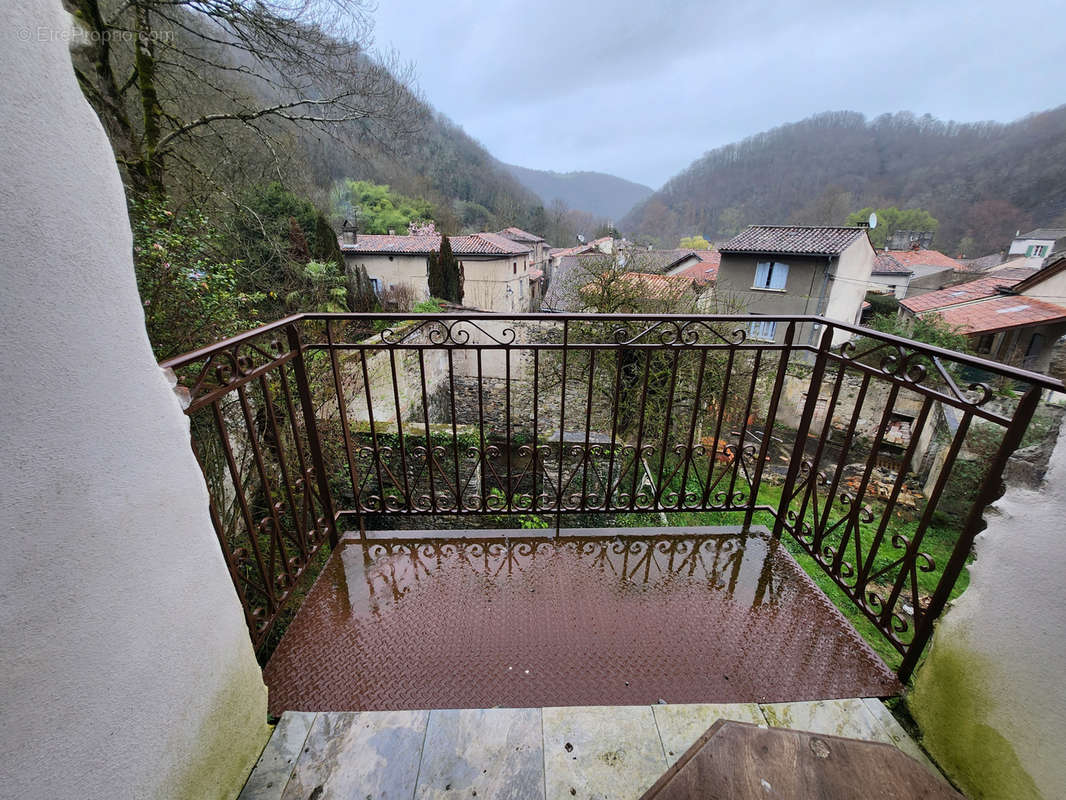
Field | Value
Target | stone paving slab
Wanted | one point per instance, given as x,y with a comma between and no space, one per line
601,752
593,753
488,753
356,755
681,725
275,765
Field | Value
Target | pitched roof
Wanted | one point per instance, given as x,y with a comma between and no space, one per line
1036,278
794,240
984,262
1044,233
925,258
999,313
519,235
889,265
474,244
988,286
486,244
659,285
706,271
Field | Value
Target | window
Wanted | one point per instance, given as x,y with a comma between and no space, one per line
376,283
1036,250
984,344
770,275
514,268
762,331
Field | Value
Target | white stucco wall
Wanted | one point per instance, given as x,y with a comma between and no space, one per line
127,671
990,698
847,290
893,282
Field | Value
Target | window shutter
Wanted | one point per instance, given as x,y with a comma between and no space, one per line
1028,251
779,276
762,274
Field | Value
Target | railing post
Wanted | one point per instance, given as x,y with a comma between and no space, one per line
771,418
314,443
991,490
804,428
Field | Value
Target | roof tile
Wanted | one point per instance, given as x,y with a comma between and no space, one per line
794,240
988,286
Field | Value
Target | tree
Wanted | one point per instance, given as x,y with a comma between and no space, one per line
143,63
892,219
379,209
694,243
190,290
298,249
322,288
445,273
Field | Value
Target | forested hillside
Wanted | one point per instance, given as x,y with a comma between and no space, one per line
602,195
234,124
982,181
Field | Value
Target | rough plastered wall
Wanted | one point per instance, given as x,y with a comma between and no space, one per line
127,670
989,698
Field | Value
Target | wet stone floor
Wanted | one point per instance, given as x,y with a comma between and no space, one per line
604,617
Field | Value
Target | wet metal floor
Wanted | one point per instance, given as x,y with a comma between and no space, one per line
589,618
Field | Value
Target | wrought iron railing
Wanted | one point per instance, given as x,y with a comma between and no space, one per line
876,455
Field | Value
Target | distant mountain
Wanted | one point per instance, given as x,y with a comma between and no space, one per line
600,194
982,181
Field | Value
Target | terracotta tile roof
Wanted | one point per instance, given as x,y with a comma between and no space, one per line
487,244
999,313
474,244
707,270
519,235
536,274
888,265
659,285
794,240
925,258
989,286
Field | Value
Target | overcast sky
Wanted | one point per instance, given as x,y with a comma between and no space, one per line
641,89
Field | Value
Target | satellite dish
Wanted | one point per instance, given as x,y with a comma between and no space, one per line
873,220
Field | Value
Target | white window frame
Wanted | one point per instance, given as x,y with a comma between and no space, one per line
762,330
770,276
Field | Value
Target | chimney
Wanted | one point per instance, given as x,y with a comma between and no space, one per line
349,234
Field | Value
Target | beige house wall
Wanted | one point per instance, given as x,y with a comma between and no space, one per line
127,667
1051,289
486,283
989,696
408,270
894,283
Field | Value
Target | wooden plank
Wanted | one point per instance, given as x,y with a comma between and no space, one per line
483,753
738,761
360,754
275,765
601,751
682,724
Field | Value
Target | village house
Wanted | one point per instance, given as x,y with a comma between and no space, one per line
703,270
495,268
538,261
1036,245
794,270
1013,315
890,276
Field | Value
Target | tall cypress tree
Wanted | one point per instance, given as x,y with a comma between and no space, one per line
451,273
437,284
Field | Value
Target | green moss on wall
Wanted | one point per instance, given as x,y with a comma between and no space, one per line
949,702
229,742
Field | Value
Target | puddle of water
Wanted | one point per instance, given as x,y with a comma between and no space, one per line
526,621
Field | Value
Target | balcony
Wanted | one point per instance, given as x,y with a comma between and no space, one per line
549,509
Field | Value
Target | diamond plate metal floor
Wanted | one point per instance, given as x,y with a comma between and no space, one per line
601,617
